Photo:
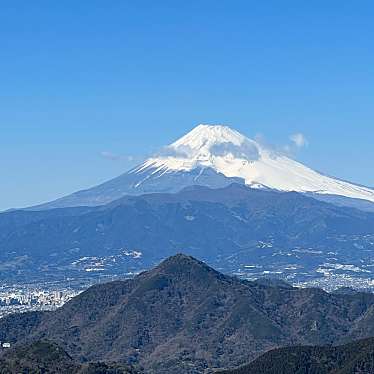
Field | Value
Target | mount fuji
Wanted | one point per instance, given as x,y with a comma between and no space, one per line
216,156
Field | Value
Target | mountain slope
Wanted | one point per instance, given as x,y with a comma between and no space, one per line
353,358
229,227
137,182
215,156
48,358
185,317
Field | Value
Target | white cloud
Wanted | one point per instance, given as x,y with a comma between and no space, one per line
114,157
299,140
110,155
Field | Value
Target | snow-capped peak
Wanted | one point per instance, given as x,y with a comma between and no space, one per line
216,156
204,146
207,135
208,141
232,154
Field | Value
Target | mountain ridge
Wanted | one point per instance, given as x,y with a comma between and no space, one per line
225,226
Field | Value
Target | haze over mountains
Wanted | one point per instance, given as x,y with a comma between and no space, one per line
236,228
185,317
215,156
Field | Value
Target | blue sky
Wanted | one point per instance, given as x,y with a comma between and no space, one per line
78,78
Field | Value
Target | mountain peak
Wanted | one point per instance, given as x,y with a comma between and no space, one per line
205,141
207,135
180,260
233,155
206,146
181,265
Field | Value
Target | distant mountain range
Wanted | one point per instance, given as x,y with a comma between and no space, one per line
230,227
185,317
216,156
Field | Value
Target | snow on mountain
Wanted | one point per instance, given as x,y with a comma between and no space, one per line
215,156
234,155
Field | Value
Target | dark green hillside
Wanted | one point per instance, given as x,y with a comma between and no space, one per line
43,357
353,358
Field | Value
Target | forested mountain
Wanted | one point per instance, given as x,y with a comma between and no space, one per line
43,357
185,317
353,358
